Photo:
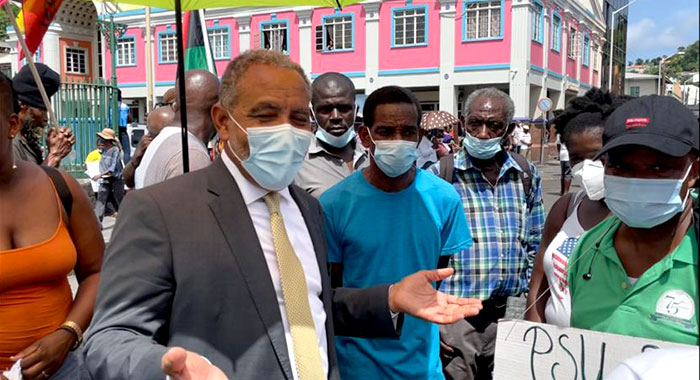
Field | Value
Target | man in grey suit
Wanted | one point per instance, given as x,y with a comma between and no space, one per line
227,265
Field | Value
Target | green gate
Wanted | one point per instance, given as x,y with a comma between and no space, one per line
86,108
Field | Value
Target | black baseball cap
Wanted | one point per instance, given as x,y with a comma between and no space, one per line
28,91
658,122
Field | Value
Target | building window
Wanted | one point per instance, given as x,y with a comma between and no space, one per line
274,36
220,42
167,47
634,91
319,38
410,26
556,32
586,52
594,52
76,60
338,32
126,51
573,44
483,20
537,22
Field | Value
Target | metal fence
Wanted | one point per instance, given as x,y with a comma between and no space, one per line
86,108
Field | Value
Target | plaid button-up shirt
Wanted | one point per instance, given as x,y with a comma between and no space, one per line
506,228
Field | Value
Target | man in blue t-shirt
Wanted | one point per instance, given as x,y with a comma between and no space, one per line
386,222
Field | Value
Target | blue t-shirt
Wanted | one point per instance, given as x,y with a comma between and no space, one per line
380,238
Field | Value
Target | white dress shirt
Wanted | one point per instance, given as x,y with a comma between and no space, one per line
303,247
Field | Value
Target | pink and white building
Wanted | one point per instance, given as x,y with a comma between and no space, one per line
440,49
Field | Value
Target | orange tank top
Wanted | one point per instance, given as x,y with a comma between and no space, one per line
35,296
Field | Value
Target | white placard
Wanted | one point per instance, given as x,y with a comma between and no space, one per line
539,351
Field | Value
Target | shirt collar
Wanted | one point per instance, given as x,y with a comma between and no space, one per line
463,162
607,246
317,148
251,192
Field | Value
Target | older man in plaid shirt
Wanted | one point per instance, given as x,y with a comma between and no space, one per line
502,198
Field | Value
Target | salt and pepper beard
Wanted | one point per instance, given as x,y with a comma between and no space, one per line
33,134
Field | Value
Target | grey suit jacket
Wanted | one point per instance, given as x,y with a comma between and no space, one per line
185,268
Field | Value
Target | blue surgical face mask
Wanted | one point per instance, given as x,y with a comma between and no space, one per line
276,154
332,140
482,149
644,203
336,141
394,157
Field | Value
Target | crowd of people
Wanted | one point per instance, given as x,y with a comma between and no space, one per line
307,244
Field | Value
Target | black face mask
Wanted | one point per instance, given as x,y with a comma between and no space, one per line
33,134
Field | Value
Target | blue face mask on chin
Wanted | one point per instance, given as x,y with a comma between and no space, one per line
482,149
336,141
642,202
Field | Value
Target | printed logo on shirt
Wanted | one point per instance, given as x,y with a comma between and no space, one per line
675,306
560,259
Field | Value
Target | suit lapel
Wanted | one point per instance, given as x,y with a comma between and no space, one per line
233,218
315,224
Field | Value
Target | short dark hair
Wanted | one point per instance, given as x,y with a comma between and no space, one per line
13,103
388,95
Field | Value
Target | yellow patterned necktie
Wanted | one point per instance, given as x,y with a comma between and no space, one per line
296,299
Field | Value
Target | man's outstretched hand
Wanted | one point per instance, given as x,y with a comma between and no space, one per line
186,365
416,295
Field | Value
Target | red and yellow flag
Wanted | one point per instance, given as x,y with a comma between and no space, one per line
34,21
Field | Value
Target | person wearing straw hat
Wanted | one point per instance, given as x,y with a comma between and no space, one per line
636,273
110,176
33,116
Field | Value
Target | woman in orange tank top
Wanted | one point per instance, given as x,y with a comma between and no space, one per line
41,242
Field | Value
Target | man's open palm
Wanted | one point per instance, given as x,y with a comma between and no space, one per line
416,295
186,365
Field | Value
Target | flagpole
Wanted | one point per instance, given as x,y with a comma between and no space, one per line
32,66
182,105
149,63
207,46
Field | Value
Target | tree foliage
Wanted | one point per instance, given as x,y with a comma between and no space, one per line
5,21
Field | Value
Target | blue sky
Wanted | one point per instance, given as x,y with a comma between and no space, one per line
659,27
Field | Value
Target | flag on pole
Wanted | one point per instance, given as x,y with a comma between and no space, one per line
34,21
197,50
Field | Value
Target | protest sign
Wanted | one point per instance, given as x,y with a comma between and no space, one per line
527,350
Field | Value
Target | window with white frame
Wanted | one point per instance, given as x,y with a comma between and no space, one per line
556,33
274,36
586,50
126,51
537,22
483,19
168,47
319,38
594,52
76,60
219,40
634,91
573,43
410,26
338,31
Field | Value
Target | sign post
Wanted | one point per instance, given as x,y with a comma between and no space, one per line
544,105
